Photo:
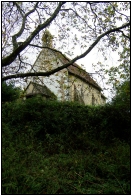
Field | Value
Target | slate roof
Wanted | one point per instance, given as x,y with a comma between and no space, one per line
82,74
76,70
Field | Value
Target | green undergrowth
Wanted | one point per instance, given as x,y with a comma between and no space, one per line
68,160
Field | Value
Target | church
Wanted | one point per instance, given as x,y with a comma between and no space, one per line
70,84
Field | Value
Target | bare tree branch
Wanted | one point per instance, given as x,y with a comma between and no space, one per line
46,47
128,19
9,59
48,73
124,34
14,37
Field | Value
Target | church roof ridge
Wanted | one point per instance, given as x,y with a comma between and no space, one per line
78,71
73,69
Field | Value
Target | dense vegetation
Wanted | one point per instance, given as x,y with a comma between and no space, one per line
65,148
122,97
10,92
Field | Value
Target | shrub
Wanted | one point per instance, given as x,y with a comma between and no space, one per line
51,117
9,92
62,148
122,97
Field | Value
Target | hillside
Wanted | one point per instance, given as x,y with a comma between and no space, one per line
64,148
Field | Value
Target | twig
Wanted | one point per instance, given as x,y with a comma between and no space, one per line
118,183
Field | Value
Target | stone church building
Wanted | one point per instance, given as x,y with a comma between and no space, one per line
70,84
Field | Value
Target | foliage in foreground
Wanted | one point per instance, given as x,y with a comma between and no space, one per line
51,117
9,92
122,97
70,160
30,167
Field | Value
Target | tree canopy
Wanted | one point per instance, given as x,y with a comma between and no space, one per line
105,25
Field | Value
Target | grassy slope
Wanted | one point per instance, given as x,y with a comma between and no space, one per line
62,164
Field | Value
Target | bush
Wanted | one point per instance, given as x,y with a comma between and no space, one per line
9,92
122,98
28,168
62,148
49,117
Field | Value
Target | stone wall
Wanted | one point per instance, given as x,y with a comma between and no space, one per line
89,94
62,84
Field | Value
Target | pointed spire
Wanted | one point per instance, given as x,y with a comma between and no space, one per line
47,39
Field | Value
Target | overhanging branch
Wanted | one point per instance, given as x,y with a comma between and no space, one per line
124,34
23,75
9,59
